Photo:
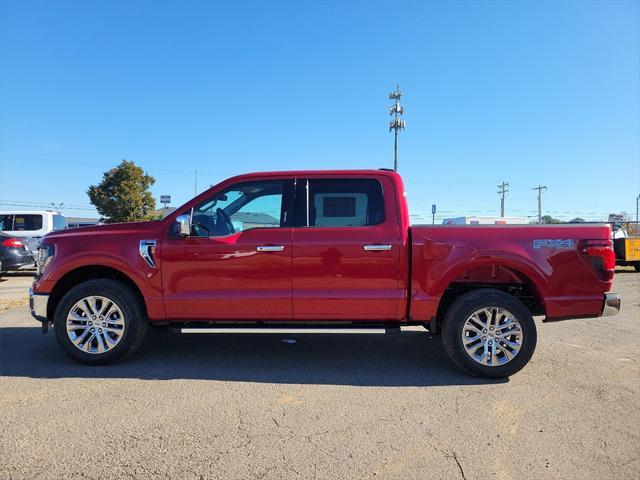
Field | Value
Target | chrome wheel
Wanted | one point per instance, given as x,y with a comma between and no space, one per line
95,324
492,336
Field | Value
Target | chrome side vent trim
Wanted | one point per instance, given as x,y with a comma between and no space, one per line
146,251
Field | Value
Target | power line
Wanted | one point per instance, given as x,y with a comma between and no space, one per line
44,206
111,165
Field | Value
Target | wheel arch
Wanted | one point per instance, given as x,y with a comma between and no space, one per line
82,274
519,279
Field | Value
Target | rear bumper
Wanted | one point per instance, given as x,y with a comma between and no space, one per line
593,307
611,304
38,303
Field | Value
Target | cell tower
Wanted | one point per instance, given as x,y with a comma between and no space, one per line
397,123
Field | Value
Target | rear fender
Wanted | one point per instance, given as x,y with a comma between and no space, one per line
444,271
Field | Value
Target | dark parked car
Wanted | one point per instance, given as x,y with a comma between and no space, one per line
14,253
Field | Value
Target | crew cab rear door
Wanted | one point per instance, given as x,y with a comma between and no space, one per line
346,249
236,264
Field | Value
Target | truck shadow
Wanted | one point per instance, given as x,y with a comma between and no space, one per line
407,359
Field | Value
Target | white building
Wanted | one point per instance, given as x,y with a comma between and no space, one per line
486,221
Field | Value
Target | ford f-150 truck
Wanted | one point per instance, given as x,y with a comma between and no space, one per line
321,250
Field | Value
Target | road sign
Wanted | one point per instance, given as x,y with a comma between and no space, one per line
433,209
165,198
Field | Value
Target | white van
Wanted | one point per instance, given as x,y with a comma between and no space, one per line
31,225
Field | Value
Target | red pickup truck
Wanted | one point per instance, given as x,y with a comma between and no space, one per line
321,250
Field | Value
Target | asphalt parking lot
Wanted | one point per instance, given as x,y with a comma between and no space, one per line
326,406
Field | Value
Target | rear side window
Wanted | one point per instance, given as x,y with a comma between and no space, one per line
59,222
6,222
21,222
344,203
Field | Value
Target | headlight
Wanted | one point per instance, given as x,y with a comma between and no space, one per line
45,255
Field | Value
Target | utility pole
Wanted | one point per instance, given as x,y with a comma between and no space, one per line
503,189
540,189
397,123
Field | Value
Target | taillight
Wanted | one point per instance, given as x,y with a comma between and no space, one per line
602,257
12,243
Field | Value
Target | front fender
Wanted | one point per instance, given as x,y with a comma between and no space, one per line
139,272
145,278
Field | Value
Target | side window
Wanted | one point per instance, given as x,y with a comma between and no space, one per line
345,203
59,222
6,222
27,222
239,208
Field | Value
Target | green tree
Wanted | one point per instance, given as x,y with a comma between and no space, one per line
577,220
123,195
550,219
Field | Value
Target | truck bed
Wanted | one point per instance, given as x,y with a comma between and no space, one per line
548,261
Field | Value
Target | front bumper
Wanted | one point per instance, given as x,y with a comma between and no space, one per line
38,305
611,304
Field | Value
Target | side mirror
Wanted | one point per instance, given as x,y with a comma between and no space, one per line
184,225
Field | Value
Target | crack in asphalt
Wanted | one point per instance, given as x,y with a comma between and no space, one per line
455,457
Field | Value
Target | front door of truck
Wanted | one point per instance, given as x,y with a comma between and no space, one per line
346,250
237,262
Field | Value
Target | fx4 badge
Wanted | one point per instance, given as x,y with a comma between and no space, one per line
554,243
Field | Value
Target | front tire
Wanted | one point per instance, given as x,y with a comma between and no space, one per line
100,321
488,333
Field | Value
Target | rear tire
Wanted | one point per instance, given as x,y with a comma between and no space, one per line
488,333
636,266
100,321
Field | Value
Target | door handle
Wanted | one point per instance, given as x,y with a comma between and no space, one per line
270,248
377,248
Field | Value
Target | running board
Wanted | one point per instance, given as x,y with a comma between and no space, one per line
291,331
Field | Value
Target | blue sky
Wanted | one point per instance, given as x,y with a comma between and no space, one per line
536,92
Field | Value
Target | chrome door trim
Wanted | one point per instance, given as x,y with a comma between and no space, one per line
270,248
377,248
